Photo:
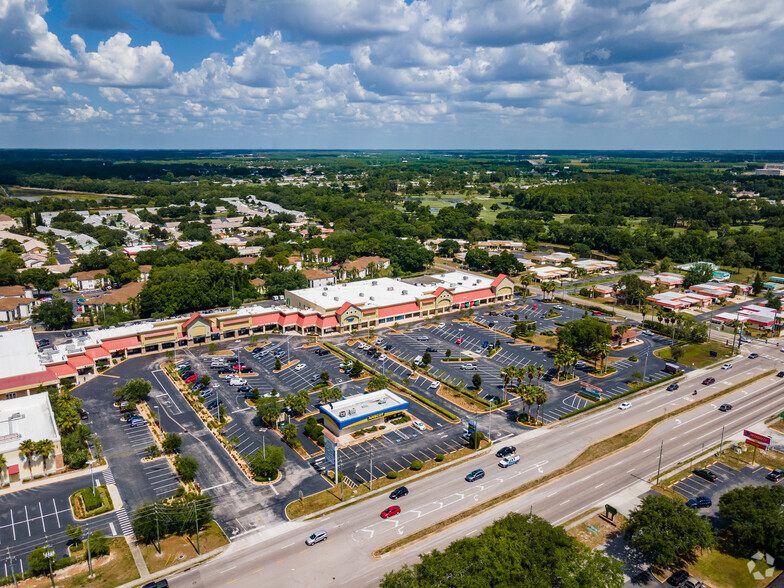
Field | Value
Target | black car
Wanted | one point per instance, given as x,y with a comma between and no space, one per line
246,370
706,474
225,370
399,492
157,584
699,502
678,578
775,475
780,375
83,414
322,352
387,347
725,407
197,386
753,355
431,350
257,349
672,387
504,451
536,348
43,342
244,389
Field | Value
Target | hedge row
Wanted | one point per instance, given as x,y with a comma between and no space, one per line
631,391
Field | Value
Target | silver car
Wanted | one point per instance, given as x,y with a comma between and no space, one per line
316,537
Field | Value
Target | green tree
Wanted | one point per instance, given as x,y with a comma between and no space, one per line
205,380
265,463
753,514
699,274
135,390
269,410
297,402
477,381
324,377
758,285
378,382
74,533
517,550
44,448
37,563
99,545
40,278
186,467
666,531
27,448
171,442
278,365
427,359
584,332
56,315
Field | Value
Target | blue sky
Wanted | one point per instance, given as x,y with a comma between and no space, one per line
264,74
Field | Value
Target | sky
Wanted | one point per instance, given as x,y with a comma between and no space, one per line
392,74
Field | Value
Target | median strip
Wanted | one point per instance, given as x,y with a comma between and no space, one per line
598,450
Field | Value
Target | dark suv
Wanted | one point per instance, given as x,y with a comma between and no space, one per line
706,474
399,492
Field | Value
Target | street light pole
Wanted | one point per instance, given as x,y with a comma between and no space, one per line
92,481
89,556
49,554
658,471
371,468
13,571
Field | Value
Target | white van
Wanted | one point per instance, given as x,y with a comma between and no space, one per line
417,359
234,381
216,363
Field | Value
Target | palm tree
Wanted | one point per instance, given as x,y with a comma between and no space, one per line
27,448
507,374
621,330
519,375
645,309
2,468
530,371
540,397
539,374
560,361
525,281
44,448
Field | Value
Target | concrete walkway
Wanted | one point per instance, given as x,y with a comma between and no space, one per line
53,479
138,559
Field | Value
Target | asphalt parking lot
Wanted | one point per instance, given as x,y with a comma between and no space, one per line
728,478
32,517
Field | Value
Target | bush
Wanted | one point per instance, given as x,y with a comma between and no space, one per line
416,465
171,443
99,545
439,457
186,467
91,502
392,475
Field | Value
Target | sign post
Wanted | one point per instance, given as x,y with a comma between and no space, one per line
756,441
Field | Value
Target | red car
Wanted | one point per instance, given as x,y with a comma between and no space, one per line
238,366
192,378
597,313
390,512
459,341
534,307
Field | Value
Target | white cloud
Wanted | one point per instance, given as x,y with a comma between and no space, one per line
116,63
25,38
264,63
87,114
115,95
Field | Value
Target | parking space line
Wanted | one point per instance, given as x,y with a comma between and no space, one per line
43,523
56,514
27,520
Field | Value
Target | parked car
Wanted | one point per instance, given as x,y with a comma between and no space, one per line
693,582
775,475
597,313
244,388
509,460
419,425
192,378
699,502
300,366
672,387
441,325
459,341
316,537
83,414
708,381
423,338
485,344
536,348
207,393
399,493
678,578
213,404
558,307
390,511
238,366
475,475
725,407
706,475
534,307
197,386
138,423
504,451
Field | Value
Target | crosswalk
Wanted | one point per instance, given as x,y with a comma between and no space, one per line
109,477
125,523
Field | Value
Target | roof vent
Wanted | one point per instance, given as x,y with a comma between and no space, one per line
382,400
336,298
374,283
390,289
323,293
361,294
405,292
325,288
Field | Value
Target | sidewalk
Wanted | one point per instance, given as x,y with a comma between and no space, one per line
53,479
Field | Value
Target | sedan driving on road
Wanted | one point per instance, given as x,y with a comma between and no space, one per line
672,387
504,451
475,475
390,512
625,405
725,407
708,381
727,366
316,537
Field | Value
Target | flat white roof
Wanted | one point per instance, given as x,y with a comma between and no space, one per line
387,291
18,353
27,417
361,406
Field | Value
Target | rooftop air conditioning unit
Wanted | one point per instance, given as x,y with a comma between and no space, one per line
382,400
336,298
323,293
374,283
352,410
363,406
325,288
372,297
390,289
405,292
361,294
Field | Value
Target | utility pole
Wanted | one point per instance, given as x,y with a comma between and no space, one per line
89,556
196,518
721,444
658,471
645,369
371,468
13,571
49,554
157,528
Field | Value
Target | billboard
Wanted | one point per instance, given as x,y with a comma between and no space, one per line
756,437
758,445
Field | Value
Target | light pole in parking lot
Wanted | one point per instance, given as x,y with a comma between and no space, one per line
13,570
371,468
92,481
156,408
49,554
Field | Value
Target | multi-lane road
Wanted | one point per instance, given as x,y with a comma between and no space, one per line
278,554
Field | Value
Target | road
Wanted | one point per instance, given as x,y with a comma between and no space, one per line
277,554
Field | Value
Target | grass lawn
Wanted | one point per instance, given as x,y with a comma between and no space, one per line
115,569
777,425
721,570
177,549
697,355
42,192
607,529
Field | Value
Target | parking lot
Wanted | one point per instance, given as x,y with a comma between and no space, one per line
32,517
728,478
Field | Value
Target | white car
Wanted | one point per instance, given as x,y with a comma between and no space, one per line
435,385
648,333
300,366
625,405
558,307
419,425
726,366
423,338
509,460
237,381
442,325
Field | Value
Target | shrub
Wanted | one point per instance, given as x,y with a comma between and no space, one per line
439,457
171,443
391,475
416,465
91,502
99,545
